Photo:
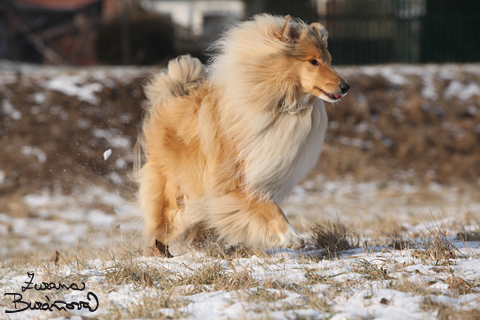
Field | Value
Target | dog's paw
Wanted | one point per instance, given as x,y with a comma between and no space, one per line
161,249
292,239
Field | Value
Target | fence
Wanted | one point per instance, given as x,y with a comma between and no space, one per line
386,31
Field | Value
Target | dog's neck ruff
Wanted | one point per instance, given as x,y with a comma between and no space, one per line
299,104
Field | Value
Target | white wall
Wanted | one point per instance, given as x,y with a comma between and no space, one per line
189,14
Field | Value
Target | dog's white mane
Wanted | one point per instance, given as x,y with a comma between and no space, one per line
278,134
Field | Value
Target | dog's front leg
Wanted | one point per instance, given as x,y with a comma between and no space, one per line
254,222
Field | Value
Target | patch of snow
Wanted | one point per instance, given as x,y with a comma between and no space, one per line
75,86
99,219
4,229
107,154
10,110
83,123
115,139
116,178
428,90
472,110
34,151
38,97
356,142
462,91
125,118
120,163
333,125
392,76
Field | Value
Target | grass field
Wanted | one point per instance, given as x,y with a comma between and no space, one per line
405,258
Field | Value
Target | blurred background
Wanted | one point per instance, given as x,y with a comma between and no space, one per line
145,32
405,141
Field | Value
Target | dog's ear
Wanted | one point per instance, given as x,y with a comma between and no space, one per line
290,32
320,30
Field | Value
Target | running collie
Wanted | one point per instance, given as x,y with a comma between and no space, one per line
222,146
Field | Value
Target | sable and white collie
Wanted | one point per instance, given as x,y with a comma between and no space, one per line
224,145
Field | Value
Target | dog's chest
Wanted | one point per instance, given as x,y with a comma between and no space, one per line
285,152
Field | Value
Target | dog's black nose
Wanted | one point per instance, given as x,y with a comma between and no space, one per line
344,87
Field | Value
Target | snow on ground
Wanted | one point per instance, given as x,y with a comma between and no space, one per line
64,222
371,282
72,81
397,75
343,289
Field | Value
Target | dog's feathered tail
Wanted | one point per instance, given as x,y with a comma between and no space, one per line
183,74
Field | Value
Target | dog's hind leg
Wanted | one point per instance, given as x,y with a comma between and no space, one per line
255,222
158,200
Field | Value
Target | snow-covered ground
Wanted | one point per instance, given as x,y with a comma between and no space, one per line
374,281
67,222
285,286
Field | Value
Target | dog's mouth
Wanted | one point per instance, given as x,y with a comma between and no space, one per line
332,96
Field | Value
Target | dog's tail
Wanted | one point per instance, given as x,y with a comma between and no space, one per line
183,74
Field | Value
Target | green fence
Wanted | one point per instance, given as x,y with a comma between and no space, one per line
386,31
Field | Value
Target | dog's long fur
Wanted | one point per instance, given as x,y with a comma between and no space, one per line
224,146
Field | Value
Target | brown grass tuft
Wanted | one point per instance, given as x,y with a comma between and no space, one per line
466,236
216,276
436,247
371,270
448,312
398,242
334,238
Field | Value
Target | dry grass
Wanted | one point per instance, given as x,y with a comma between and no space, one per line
397,241
433,246
314,301
218,277
333,238
233,252
314,277
130,271
436,247
164,288
371,270
467,236
448,312
419,288
147,307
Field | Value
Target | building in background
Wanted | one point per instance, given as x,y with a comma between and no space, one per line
51,31
200,21
152,31
65,31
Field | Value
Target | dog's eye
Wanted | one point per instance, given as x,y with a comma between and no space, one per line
314,62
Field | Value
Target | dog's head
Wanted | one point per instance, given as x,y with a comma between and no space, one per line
313,67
